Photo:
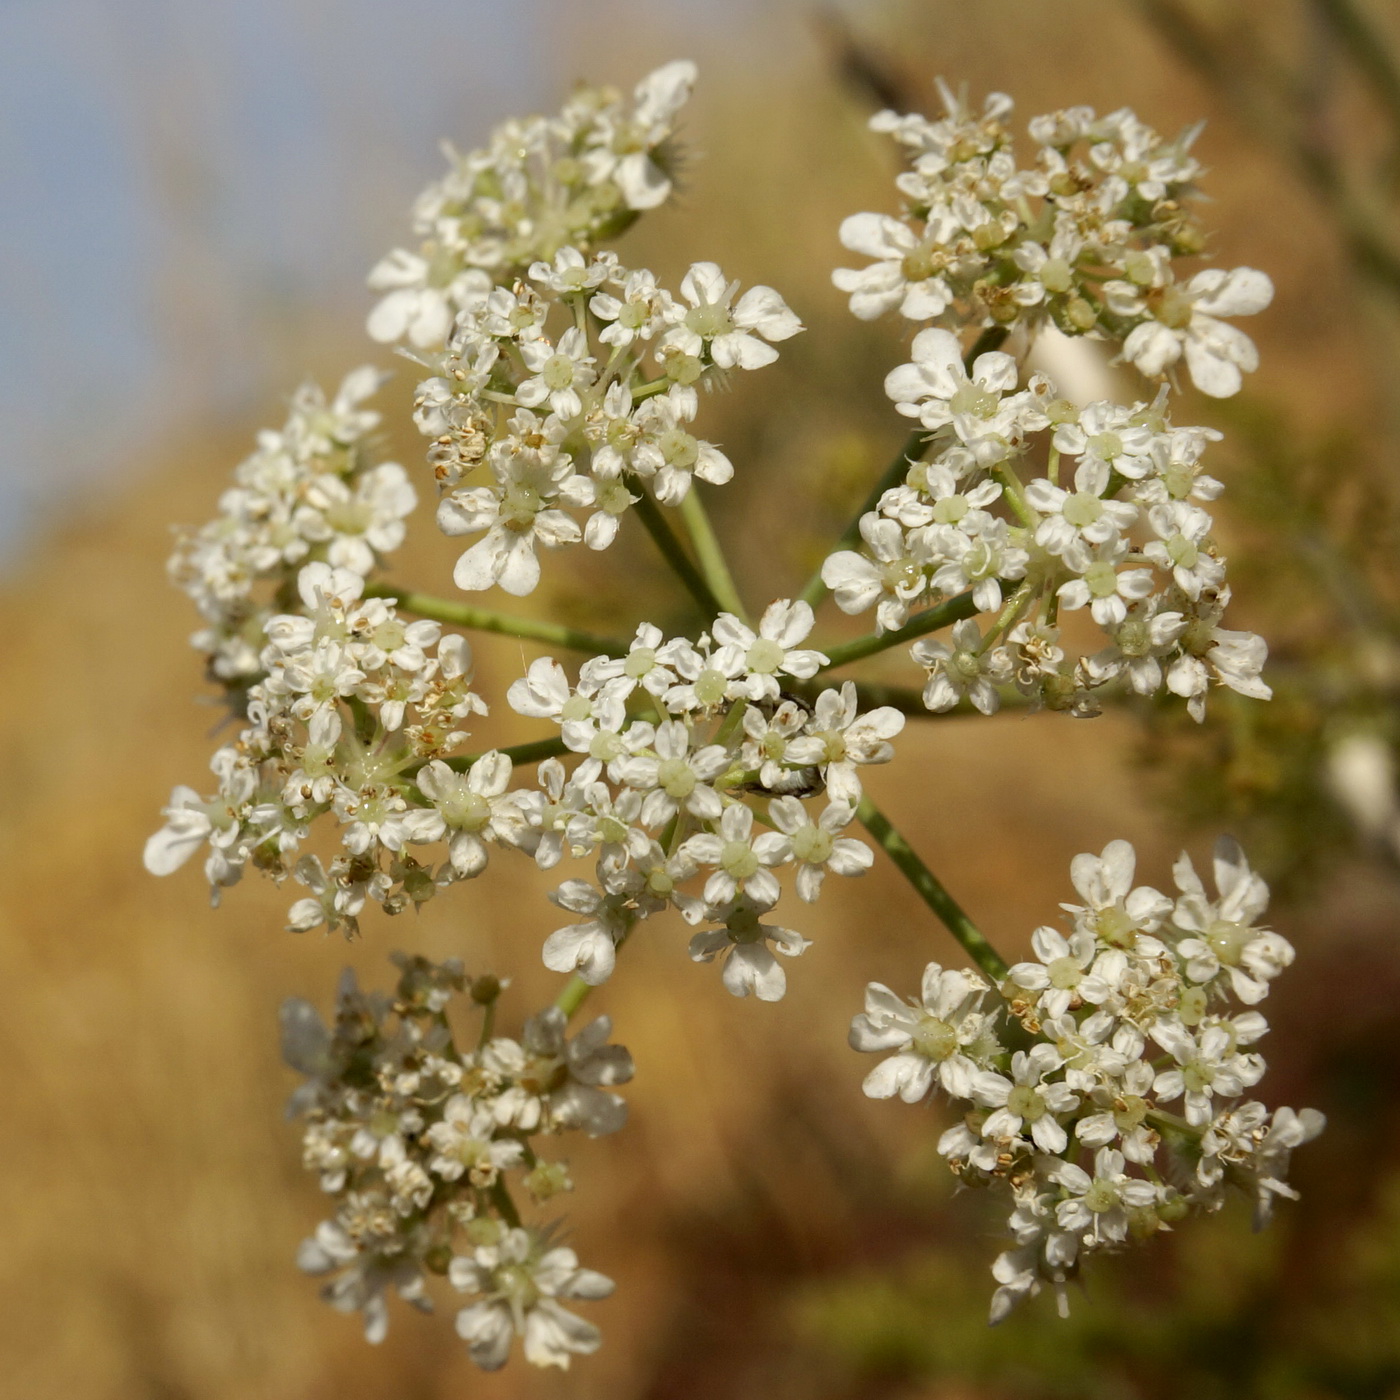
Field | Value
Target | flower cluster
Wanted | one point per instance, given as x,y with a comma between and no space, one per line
358,715
354,714
1127,536
574,389
541,183
417,1141
663,799
1083,238
1102,1084
562,384
313,491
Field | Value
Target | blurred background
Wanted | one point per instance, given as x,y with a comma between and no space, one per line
191,195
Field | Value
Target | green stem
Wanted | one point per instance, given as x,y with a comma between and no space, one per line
649,513
576,990
488,1023
501,1199
930,620
1015,496
815,590
1011,612
711,556
931,891
532,752
485,620
573,996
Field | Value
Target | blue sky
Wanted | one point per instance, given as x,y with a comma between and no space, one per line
179,176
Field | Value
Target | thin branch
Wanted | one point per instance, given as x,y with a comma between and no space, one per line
656,525
573,996
930,890
485,620
533,752
930,620
709,552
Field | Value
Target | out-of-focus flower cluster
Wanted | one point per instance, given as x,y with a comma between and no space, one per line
1113,520
1083,238
313,490
1103,1085
540,183
417,1141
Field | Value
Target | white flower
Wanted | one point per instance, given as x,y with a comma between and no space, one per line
1226,943
571,273
816,847
1113,910
732,335
938,391
1104,588
676,778
1185,320
544,692
641,311
1108,433
893,573
838,739
1097,1206
1183,547
358,520
1234,659
1083,517
680,457
1209,1065
964,666
708,676
475,808
588,948
742,860
417,307
1069,969
464,1142
534,479
558,373
644,665
945,1036
555,1081
629,153
521,1278
1124,1115
1145,636
908,271
743,942
976,555
363,1279
1026,1099
772,650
